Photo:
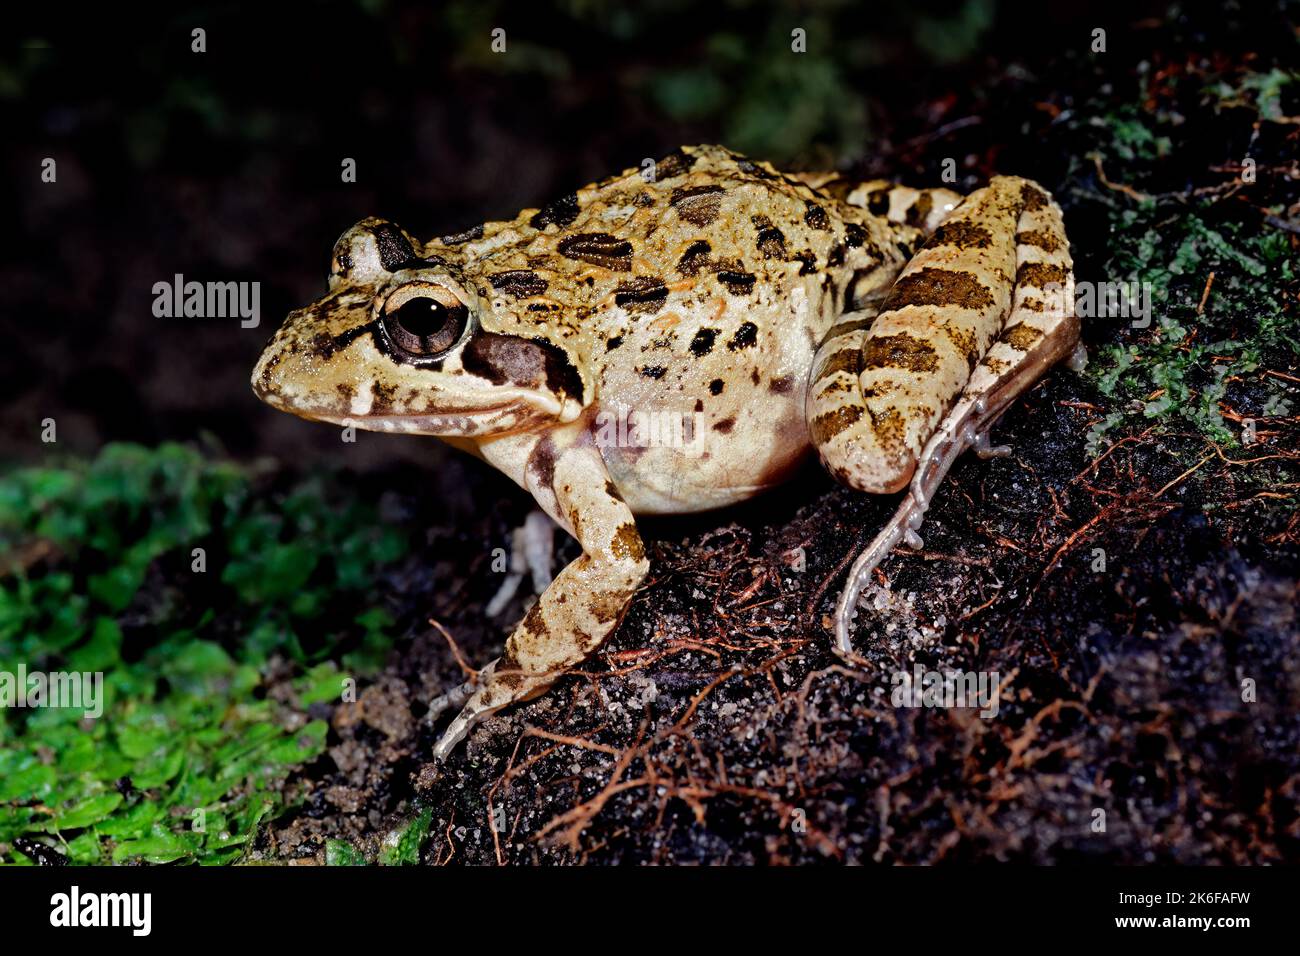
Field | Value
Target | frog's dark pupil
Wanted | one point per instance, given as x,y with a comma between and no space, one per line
423,325
423,317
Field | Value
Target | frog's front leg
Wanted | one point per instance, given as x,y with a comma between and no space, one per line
971,322
563,470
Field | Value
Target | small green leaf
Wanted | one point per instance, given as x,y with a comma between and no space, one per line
342,853
85,813
402,846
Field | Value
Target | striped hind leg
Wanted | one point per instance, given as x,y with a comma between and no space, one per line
972,321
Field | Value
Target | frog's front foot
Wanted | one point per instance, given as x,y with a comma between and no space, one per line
492,690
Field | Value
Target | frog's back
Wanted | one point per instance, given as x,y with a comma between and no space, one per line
694,294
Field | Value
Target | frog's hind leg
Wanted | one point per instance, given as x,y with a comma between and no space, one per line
924,208
971,322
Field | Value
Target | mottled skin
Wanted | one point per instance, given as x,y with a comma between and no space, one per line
719,292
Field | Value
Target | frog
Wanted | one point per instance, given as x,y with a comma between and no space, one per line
769,316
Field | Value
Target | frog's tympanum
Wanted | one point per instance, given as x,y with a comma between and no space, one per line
764,315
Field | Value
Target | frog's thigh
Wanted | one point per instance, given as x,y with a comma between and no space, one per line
878,393
586,601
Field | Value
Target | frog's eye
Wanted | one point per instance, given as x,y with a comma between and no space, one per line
424,320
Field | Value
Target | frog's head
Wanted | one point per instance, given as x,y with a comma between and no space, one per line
400,344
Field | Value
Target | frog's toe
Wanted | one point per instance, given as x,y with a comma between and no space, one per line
492,691
982,444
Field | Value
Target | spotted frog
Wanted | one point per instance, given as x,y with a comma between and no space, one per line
771,315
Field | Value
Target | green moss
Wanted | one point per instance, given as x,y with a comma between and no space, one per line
190,754
1181,366
1223,280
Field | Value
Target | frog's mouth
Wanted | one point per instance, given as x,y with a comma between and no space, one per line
373,406
479,421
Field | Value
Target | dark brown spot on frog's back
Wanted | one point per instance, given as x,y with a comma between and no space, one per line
613,342
770,240
560,212
611,489
716,386
346,391
533,622
695,258
737,283
781,386
528,363
899,351
644,295
878,202
829,424
920,210
698,205
1040,275
702,344
725,425
459,238
653,371
961,235
520,283
815,217
854,235
931,286
676,163
599,249
808,260
745,337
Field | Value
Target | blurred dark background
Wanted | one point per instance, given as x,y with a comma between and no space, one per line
225,165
